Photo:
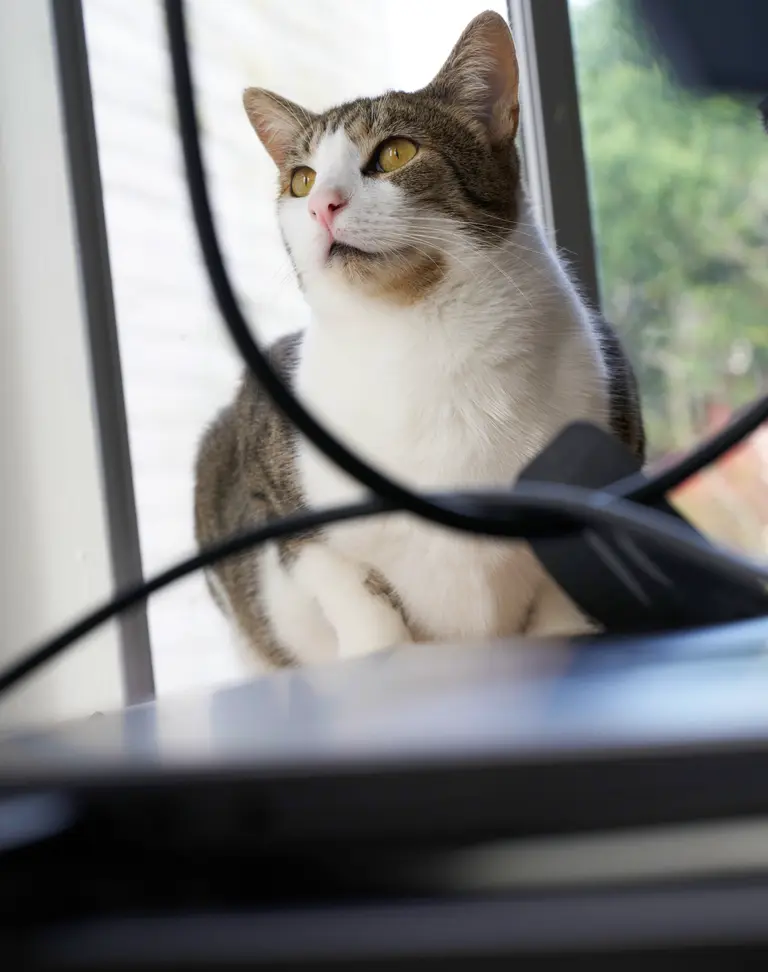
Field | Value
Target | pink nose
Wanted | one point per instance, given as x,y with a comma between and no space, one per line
325,204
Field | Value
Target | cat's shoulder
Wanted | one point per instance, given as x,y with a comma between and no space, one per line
283,356
251,408
253,412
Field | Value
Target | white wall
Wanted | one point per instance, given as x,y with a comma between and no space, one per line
178,368
54,560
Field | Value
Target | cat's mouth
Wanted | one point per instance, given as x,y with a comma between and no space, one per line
344,252
403,275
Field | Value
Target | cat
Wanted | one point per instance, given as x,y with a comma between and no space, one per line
447,346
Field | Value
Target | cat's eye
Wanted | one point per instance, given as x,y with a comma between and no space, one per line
394,154
302,181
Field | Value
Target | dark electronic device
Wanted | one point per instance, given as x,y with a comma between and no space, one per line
452,807
628,584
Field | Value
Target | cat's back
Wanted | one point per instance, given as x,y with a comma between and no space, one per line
215,470
625,410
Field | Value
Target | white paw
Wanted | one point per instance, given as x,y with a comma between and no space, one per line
570,627
556,616
379,627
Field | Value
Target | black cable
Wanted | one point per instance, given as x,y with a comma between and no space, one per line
531,510
650,489
528,511
137,593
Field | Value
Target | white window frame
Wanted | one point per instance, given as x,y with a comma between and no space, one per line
553,148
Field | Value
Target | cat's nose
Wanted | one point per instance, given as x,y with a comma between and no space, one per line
325,205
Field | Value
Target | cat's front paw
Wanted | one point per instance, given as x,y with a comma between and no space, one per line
556,616
377,628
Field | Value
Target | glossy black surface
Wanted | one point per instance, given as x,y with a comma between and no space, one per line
258,825
515,701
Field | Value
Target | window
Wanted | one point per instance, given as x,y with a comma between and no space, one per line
679,188
177,366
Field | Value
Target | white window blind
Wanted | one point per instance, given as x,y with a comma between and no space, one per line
177,366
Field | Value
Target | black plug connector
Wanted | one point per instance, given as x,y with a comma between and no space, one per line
629,584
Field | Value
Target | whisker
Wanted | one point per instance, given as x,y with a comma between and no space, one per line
492,234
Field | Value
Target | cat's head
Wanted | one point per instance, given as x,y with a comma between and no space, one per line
383,193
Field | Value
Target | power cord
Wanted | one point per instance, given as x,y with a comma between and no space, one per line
526,512
529,511
649,489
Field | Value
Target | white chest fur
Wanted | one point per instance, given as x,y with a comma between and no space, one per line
459,391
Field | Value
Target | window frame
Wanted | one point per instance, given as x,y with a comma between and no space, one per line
106,371
552,141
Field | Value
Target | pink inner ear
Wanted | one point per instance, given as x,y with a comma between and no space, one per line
273,137
495,61
277,121
504,78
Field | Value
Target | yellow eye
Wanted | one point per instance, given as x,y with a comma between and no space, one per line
394,154
302,181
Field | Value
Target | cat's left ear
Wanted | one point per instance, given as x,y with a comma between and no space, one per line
277,121
481,76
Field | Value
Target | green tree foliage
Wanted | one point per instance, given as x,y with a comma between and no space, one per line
679,188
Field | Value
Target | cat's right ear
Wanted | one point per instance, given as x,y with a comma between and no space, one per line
277,121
